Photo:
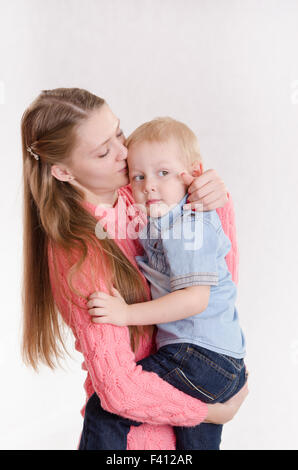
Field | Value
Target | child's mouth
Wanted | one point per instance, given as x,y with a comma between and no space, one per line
152,201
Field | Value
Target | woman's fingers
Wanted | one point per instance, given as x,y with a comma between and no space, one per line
237,400
206,178
222,413
186,178
210,203
208,190
199,191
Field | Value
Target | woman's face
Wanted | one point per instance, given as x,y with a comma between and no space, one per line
98,162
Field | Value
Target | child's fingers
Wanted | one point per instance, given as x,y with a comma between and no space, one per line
97,311
94,303
116,293
101,320
99,295
97,302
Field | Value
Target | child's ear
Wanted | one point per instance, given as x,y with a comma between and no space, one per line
197,168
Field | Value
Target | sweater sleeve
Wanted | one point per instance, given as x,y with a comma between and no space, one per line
123,387
227,217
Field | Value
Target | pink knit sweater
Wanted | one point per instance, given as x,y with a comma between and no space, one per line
122,386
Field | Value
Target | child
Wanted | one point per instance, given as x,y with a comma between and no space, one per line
200,343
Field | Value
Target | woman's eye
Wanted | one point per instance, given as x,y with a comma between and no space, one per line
120,134
163,173
104,155
138,177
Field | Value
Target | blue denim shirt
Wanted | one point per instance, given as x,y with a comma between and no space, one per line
187,248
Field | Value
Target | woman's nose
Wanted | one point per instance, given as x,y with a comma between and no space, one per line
121,152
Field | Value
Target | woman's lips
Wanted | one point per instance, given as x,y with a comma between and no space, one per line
123,170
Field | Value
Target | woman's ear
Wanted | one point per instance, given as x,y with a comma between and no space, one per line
61,174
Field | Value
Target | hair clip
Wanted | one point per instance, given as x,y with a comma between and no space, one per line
32,153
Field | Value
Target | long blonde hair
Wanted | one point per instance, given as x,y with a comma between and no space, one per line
53,214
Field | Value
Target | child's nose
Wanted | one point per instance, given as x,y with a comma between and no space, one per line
149,185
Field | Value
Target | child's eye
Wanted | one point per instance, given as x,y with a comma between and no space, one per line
163,172
138,177
120,133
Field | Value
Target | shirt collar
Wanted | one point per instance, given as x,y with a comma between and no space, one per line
167,220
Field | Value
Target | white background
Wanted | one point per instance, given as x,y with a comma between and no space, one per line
228,68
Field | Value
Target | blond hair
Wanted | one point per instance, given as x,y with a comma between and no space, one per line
162,129
54,216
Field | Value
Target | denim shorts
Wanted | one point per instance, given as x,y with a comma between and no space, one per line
207,375
199,372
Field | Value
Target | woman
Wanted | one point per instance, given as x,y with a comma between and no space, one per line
74,159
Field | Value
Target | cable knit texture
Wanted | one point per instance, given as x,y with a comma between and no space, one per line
122,386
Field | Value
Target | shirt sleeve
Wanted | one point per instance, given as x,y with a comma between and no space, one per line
123,387
190,250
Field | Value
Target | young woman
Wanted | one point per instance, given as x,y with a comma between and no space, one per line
74,159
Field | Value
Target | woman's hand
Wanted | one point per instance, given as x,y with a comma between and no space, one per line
206,191
105,308
221,413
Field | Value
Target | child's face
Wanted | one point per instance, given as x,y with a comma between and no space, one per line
154,169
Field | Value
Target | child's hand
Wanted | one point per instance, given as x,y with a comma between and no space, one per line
105,308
